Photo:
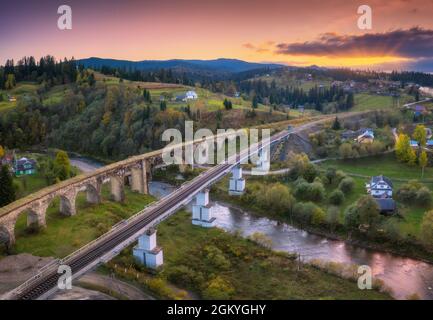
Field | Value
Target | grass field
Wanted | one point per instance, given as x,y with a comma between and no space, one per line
377,165
199,258
366,101
63,235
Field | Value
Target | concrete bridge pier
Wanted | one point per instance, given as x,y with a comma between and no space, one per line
236,183
147,252
202,211
139,178
263,163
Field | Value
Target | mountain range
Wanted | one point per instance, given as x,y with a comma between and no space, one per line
212,66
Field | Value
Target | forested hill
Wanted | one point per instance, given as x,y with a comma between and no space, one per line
216,66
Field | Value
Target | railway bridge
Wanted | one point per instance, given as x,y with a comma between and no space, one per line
103,249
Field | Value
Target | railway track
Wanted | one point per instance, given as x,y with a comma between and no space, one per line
47,280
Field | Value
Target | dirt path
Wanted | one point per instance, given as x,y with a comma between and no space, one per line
111,284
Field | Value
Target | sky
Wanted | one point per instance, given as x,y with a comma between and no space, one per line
300,33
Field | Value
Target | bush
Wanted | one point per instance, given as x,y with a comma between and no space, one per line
303,212
309,191
186,276
336,197
347,185
218,289
316,192
427,229
414,192
424,197
318,217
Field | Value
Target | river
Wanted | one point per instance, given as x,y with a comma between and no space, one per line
404,276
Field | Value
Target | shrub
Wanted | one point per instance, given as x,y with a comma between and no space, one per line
316,192
336,197
427,229
216,258
318,217
347,185
186,276
424,197
303,212
218,289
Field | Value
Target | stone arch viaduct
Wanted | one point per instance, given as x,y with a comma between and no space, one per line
136,169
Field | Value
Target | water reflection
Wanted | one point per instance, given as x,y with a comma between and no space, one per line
403,275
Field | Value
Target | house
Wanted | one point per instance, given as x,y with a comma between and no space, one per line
386,205
380,187
365,136
11,98
419,110
191,95
7,159
414,144
24,166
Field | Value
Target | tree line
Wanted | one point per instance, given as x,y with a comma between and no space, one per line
48,70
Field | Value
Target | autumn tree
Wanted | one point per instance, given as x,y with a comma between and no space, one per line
420,135
403,150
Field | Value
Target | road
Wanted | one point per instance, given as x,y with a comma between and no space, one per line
125,233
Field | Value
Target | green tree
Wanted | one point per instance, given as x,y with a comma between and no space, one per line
2,152
7,189
420,135
227,104
62,165
336,125
10,82
163,105
423,160
255,103
336,197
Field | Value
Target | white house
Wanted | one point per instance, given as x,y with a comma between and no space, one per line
379,187
191,95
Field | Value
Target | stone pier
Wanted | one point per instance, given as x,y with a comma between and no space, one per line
236,183
147,252
202,211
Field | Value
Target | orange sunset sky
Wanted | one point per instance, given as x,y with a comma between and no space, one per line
298,33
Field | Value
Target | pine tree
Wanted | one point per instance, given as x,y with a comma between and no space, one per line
336,125
163,106
7,190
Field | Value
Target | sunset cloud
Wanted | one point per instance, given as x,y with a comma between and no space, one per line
411,43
